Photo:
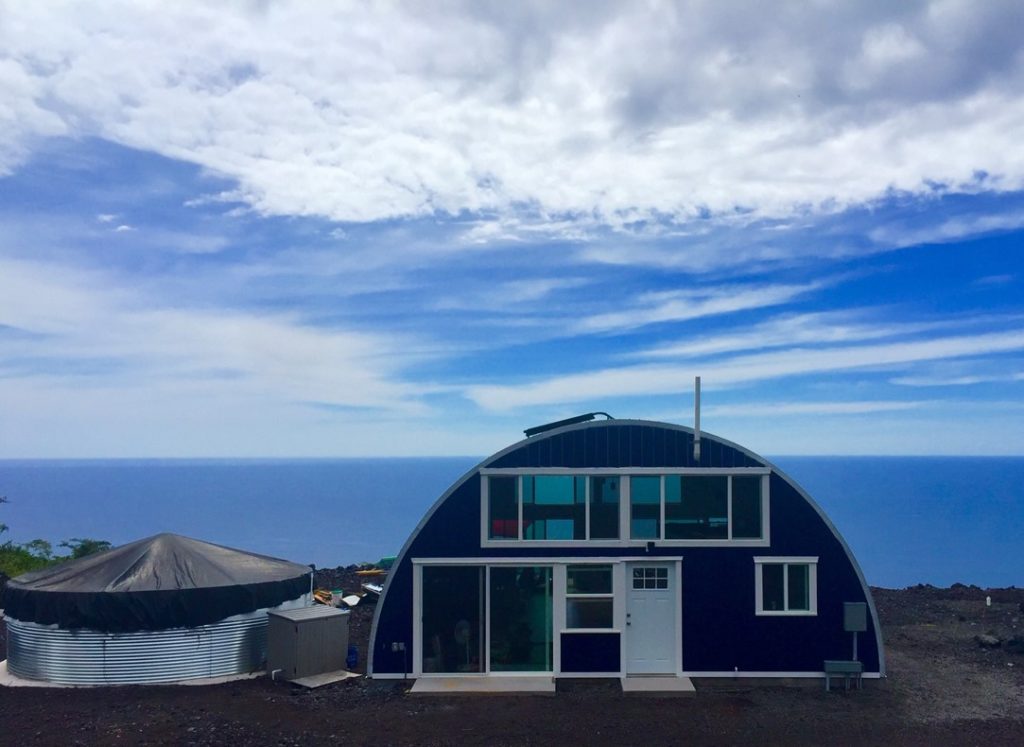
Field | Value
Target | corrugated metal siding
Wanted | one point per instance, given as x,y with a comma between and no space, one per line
88,657
720,629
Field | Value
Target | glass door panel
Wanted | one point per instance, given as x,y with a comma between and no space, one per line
521,619
453,619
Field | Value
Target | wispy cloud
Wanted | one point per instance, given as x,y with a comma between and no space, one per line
933,381
828,327
663,379
77,317
802,409
683,305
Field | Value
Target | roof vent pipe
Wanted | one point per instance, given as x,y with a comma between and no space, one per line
696,419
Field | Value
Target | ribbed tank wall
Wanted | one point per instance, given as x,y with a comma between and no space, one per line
236,645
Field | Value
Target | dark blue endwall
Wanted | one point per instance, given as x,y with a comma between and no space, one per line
720,630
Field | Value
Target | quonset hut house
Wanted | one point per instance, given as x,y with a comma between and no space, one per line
160,609
609,548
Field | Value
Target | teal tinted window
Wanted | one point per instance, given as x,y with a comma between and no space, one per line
645,507
746,507
604,507
554,507
503,507
696,507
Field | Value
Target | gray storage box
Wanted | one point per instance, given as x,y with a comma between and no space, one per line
307,641
855,617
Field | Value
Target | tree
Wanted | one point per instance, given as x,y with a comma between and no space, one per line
81,547
40,548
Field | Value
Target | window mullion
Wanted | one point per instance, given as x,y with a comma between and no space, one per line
586,511
728,507
785,587
661,523
520,502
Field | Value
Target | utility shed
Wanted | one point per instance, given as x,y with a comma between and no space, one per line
305,642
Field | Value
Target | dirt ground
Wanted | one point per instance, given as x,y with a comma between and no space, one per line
944,687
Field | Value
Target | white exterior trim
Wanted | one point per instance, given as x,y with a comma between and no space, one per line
812,584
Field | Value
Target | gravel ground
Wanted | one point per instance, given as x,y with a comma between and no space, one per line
943,687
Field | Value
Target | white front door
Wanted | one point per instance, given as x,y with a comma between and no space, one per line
651,619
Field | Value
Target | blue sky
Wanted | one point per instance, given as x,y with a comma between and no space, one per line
269,229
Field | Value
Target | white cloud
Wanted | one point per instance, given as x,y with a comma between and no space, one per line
612,115
967,380
746,369
84,331
683,305
776,409
123,228
788,330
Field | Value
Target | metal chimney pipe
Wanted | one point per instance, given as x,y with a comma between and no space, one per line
696,419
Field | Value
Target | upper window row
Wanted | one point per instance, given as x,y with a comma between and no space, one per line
620,507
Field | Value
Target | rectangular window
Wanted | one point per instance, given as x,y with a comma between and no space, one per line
746,507
503,507
650,578
696,507
589,602
521,630
786,586
798,583
453,621
644,507
554,507
604,507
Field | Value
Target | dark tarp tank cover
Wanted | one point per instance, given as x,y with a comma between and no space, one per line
165,581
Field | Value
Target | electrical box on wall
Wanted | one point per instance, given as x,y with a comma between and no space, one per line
855,617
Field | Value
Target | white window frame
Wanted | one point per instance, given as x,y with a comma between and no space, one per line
624,539
812,583
571,596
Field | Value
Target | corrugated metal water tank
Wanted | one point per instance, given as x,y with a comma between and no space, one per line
165,608
304,642
91,657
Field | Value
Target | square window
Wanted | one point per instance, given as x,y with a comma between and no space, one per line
554,507
696,507
786,588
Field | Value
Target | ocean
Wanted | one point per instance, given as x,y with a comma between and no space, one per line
909,520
